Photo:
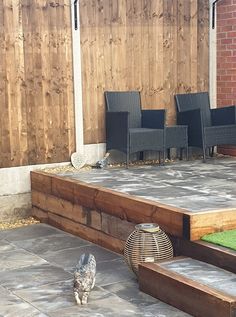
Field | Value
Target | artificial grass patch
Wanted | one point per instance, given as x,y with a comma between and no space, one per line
225,238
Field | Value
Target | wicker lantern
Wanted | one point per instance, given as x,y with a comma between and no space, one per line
147,243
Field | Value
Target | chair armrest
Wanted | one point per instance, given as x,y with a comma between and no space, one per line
153,119
193,119
223,116
117,130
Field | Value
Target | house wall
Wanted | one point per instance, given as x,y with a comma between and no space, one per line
226,58
157,47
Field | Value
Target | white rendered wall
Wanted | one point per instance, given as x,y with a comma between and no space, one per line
15,197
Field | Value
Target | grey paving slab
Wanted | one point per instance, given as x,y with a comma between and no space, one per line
12,306
190,185
32,276
200,203
15,259
152,191
226,286
110,272
129,291
57,296
6,246
29,232
49,297
115,306
46,290
164,310
111,306
204,273
68,258
54,242
2,234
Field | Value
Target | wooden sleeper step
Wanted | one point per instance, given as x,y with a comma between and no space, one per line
195,287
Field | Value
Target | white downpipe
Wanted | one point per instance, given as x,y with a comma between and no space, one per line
212,58
76,55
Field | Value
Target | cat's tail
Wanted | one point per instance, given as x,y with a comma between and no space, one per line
85,259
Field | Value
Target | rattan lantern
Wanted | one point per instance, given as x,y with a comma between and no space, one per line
147,243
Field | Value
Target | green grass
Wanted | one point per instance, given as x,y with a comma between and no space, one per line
225,238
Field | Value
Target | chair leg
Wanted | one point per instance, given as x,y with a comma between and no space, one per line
141,156
181,154
187,154
212,151
159,157
168,154
127,160
164,156
204,155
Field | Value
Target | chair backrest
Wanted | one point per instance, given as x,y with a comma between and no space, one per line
192,101
125,101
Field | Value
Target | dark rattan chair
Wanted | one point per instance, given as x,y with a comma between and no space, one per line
206,127
130,129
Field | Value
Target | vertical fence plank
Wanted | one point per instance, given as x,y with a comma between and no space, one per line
194,43
4,118
168,49
136,20
86,47
203,45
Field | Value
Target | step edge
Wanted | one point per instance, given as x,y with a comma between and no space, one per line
187,281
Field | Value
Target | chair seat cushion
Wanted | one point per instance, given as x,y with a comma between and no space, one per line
220,135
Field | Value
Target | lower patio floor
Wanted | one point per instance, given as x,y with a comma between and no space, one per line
187,200
36,278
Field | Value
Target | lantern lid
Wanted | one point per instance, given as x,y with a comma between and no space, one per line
148,227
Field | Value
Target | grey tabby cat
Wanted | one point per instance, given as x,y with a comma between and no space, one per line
84,278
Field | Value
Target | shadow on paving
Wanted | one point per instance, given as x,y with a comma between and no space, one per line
36,278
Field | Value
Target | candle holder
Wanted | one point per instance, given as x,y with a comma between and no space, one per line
147,243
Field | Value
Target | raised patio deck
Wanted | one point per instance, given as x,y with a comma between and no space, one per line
187,199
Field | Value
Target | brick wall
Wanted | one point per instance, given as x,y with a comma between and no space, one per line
226,58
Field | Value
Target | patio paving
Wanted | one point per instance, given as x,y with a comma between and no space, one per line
192,185
36,277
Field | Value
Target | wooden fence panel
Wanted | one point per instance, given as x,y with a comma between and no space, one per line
159,47
36,84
